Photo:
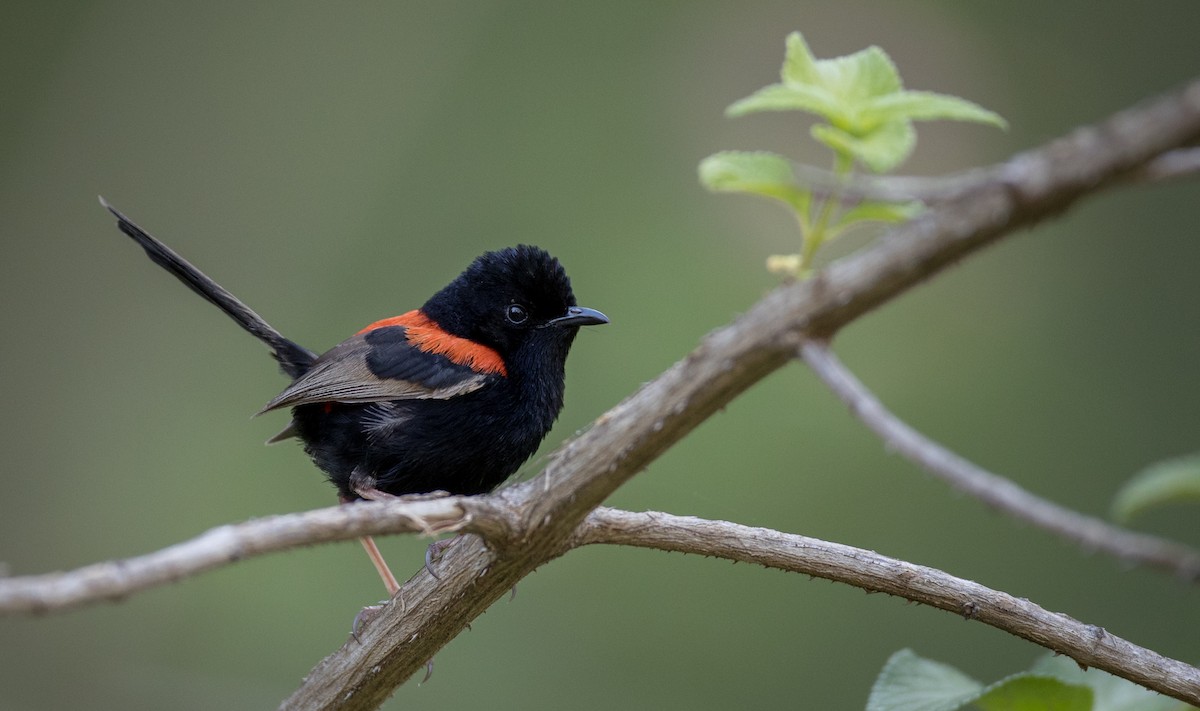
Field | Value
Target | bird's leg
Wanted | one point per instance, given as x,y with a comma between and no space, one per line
368,544
365,486
381,566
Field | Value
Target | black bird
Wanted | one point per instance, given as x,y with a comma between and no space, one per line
453,396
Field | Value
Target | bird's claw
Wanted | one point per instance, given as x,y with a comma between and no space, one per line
434,553
364,616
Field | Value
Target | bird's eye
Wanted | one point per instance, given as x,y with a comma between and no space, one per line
516,314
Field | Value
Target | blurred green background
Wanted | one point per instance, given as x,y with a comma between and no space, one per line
333,164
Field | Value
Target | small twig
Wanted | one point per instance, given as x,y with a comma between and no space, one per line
888,188
1172,165
1176,164
1089,645
1002,494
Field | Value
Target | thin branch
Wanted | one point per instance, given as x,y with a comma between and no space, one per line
1089,645
116,580
1002,494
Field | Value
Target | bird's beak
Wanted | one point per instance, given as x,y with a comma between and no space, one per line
579,316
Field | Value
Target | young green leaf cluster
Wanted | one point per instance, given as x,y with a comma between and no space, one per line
868,117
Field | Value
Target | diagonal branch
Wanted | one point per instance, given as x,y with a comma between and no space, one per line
1002,494
1089,645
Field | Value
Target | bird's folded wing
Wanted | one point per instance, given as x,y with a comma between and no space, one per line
379,365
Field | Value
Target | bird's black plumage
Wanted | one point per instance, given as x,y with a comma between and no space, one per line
453,396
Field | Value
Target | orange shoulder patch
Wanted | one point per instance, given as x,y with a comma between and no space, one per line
425,334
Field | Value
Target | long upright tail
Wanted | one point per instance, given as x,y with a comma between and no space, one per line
294,359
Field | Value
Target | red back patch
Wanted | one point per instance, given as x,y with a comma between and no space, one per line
424,334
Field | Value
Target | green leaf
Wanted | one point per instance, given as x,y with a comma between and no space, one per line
869,211
881,150
1028,692
1111,693
786,97
836,89
868,72
799,64
857,77
927,106
1172,481
759,173
910,683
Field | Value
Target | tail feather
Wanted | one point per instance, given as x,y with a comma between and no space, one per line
294,359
